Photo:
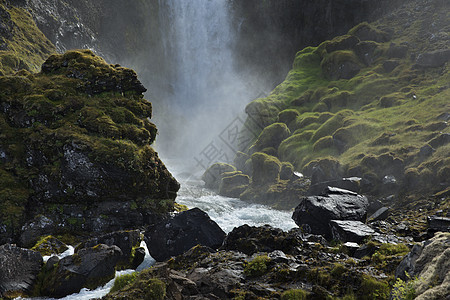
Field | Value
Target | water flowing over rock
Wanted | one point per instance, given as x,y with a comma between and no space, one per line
183,232
316,212
89,267
127,241
18,269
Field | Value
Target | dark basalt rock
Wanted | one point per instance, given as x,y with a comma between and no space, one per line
250,239
94,218
39,226
366,51
350,231
125,240
89,267
316,212
436,223
182,232
18,269
379,215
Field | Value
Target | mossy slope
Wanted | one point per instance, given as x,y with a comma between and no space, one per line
366,101
22,45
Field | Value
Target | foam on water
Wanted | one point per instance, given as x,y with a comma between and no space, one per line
231,212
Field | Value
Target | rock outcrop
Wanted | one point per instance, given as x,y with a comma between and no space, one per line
429,264
89,267
182,232
314,213
77,146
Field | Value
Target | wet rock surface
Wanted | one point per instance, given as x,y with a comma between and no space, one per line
127,241
316,212
182,232
18,269
89,267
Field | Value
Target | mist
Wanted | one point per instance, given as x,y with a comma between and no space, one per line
201,105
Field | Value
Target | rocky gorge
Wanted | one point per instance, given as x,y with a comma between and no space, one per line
354,142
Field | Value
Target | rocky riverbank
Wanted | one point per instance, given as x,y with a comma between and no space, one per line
354,141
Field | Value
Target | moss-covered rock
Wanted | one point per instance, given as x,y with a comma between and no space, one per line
266,169
342,64
233,184
49,245
65,142
356,96
22,45
272,136
213,175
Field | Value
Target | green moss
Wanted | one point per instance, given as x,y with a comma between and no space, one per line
272,135
337,270
373,289
121,281
257,267
296,294
155,290
331,125
28,47
266,168
48,245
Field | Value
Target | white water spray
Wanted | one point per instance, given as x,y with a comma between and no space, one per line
206,93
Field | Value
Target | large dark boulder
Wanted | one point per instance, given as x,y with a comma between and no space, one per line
18,269
316,212
249,240
182,232
88,268
127,240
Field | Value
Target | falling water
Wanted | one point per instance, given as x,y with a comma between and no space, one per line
205,91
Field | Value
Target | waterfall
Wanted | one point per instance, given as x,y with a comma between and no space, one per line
197,41
205,92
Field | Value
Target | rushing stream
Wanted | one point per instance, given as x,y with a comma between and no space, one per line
227,212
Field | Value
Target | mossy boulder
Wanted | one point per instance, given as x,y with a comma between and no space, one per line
213,175
287,171
49,245
266,168
271,136
233,184
322,170
342,64
67,140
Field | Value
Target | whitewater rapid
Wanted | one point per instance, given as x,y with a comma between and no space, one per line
226,212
